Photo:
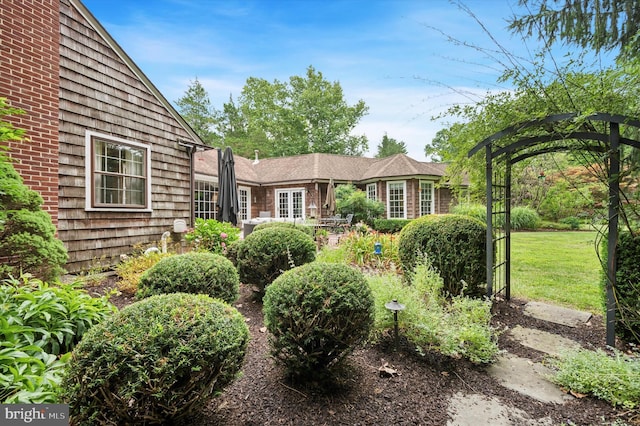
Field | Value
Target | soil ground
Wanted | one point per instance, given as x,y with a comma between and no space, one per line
419,394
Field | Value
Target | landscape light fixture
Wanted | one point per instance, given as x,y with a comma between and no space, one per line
395,307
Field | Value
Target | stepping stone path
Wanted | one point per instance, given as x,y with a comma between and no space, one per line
520,374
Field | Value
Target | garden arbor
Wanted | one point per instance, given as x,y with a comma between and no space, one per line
598,133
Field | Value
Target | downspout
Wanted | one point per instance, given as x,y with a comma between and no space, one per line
192,185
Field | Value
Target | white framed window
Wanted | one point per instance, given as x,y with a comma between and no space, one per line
290,203
244,201
426,198
372,191
118,174
396,204
205,198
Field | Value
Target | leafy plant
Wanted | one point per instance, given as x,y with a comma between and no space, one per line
40,322
155,361
478,211
194,272
267,253
211,235
459,327
613,378
360,249
350,200
317,313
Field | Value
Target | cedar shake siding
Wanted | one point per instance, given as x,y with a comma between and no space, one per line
99,92
29,69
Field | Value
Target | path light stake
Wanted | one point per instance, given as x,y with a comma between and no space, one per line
395,307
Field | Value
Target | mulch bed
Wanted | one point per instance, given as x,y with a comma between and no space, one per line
418,394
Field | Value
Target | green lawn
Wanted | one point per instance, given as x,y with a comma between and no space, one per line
557,267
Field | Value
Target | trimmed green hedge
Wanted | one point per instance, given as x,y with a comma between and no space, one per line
194,272
267,253
390,226
455,246
304,228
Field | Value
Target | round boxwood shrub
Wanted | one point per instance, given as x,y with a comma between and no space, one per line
317,313
454,245
266,253
195,272
304,228
155,361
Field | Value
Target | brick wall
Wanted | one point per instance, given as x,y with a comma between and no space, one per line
29,79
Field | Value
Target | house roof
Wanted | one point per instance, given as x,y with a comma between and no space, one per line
319,168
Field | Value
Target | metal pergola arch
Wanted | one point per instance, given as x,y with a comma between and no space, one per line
498,182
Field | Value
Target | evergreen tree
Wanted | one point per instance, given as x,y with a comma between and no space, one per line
389,146
195,107
596,24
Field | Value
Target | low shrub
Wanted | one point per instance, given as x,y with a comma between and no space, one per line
130,271
572,221
211,235
267,253
317,313
523,217
459,327
194,272
155,361
304,228
390,226
613,378
39,324
455,246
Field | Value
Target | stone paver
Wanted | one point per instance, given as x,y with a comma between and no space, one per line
557,314
528,378
479,410
543,341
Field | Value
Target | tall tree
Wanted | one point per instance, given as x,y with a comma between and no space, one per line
596,24
195,107
307,114
232,126
389,146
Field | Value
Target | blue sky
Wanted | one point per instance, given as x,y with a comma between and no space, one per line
390,53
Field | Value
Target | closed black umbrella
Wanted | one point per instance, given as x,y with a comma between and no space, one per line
228,205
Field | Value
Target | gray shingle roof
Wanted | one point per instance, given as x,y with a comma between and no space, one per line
319,167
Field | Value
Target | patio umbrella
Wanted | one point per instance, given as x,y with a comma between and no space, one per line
228,206
330,201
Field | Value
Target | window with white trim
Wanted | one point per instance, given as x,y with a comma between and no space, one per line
205,199
396,205
426,198
290,203
118,174
372,191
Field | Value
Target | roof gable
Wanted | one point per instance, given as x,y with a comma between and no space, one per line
102,32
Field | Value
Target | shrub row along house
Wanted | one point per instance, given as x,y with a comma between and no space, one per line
117,165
